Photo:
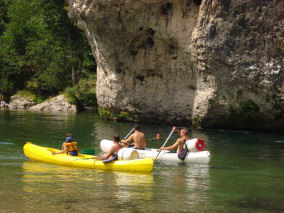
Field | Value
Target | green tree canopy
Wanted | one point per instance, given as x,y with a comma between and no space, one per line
41,50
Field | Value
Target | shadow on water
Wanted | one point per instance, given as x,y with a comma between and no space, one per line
259,205
224,167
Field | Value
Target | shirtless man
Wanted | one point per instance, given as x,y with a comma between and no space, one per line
138,137
180,142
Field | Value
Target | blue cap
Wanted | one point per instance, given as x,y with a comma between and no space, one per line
68,139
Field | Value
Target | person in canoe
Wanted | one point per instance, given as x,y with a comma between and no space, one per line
138,137
112,154
179,144
68,146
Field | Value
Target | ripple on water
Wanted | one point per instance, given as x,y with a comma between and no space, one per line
260,204
6,143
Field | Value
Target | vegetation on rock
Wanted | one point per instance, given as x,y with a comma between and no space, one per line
106,114
124,116
247,116
83,94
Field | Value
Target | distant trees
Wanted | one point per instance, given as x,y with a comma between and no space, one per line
40,48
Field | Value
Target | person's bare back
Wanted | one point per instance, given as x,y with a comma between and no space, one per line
139,140
138,137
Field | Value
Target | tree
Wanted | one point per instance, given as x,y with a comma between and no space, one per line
41,50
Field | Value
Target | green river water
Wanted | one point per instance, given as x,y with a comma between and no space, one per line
245,174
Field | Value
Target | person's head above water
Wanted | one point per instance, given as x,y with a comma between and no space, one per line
136,127
158,136
116,138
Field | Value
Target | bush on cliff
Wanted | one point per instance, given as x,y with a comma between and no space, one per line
106,114
31,96
83,94
247,116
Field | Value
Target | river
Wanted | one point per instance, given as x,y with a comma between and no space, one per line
245,174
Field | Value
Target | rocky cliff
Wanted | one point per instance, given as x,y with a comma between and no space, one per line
210,63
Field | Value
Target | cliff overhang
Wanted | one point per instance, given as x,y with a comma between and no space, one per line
210,63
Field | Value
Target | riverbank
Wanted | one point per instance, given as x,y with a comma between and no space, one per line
58,103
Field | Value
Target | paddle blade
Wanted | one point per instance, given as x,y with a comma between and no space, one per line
88,152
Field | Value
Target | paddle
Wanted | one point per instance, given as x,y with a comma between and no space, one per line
88,151
128,134
164,143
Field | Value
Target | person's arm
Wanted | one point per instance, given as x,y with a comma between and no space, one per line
176,130
158,137
172,146
64,149
106,155
127,140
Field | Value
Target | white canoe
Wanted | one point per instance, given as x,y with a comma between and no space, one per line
202,157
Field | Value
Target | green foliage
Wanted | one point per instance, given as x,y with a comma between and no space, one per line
109,115
41,50
6,87
26,94
247,116
197,122
2,98
106,114
70,94
249,108
31,96
39,99
124,116
84,93
3,15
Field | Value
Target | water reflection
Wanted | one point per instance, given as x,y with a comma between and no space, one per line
245,173
198,183
130,186
92,189
187,183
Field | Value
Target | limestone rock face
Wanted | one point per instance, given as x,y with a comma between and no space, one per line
56,104
212,63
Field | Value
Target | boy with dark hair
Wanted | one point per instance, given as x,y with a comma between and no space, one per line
138,137
113,151
68,146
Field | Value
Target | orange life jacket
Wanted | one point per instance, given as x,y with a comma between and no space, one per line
72,146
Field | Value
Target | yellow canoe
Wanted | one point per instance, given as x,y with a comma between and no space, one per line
44,154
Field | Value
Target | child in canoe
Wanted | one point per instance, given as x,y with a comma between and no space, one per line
112,154
68,146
